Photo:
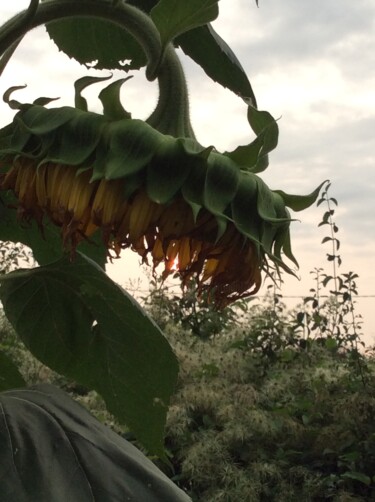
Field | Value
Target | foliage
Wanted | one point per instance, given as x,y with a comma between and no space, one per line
190,310
298,426
327,315
113,47
80,317
78,187
280,407
293,425
336,317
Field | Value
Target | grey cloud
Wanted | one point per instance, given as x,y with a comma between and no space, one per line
295,29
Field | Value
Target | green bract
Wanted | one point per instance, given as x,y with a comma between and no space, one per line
114,146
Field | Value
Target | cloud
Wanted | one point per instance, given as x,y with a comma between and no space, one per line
293,31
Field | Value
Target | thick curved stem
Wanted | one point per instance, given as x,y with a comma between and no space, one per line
171,115
124,15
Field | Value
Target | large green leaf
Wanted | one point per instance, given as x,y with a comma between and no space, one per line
174,17
73,318
10,377
52,449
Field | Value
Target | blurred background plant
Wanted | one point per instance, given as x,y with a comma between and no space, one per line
191,311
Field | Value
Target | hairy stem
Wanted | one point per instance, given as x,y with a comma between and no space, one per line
171,115
138,24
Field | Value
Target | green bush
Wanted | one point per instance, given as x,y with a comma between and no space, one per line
294,428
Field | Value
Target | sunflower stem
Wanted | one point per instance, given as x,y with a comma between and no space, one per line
171,115
122,14
5,58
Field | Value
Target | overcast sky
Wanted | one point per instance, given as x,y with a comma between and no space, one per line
310,63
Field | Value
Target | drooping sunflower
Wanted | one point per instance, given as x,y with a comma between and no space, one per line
150,186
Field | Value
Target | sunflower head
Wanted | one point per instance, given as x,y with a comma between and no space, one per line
201,213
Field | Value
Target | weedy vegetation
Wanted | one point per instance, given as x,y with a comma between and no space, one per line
278,404
271,404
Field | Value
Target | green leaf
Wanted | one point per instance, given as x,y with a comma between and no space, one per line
244,208
300,202
268,235
132,146
168,170
80,85
98,41
265,204
283,244
74,143
213,54
39,120
254,156
217,59
193,188
260,120
330,343
10,377
109,46
45,248
52,449
247,156
174,17
222,180
74,319
357,476
282,212
266,128
12,103
6,135
222,224
110,98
